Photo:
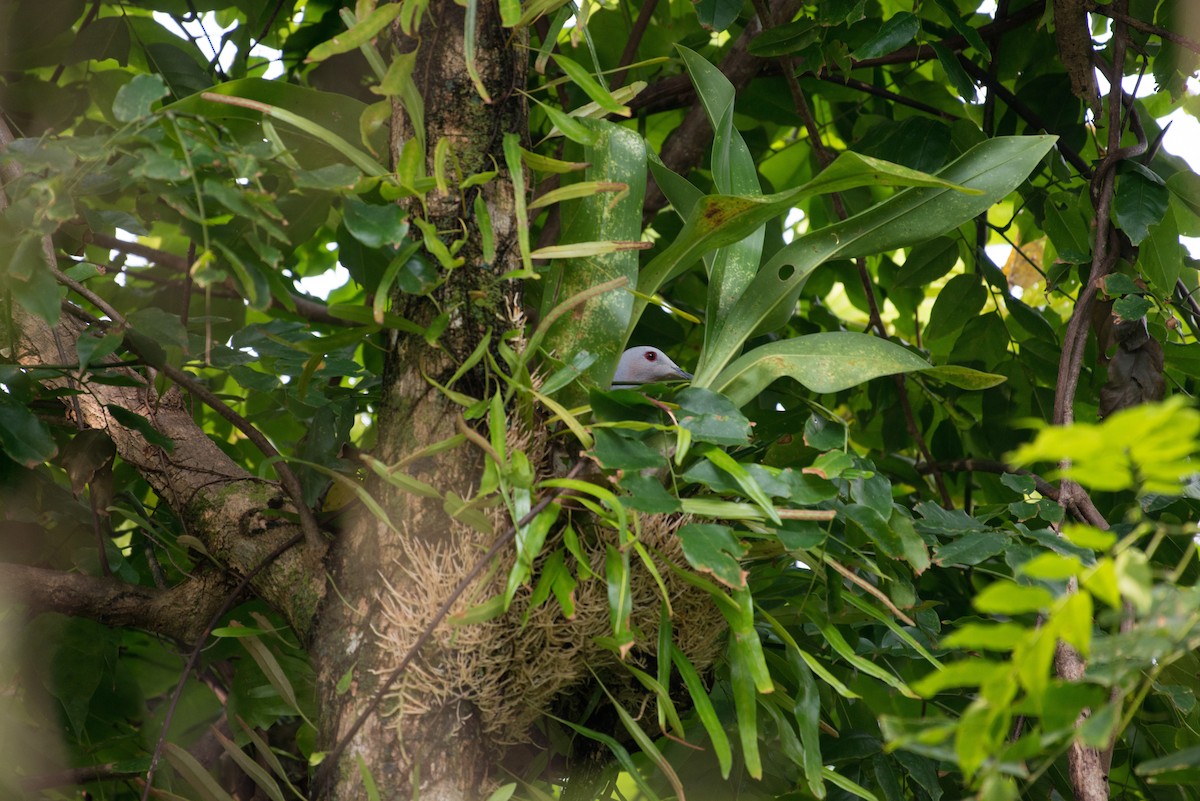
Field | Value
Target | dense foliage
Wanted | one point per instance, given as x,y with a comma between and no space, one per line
939,503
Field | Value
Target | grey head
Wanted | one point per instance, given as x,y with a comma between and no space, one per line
645,365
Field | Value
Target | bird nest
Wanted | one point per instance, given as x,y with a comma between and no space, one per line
513,668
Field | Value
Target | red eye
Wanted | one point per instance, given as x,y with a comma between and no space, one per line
651,356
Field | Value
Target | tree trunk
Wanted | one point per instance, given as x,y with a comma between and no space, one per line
435,746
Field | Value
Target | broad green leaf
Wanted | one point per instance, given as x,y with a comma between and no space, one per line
618,451
375,225
967,673
928,262
986,636
1160,257
711,417
1068,228
828,362
995,168
781,40
1149,445
713,549
897,31
135,98
732,267
618,155
971,548
719,220
22,435
159,325
717,15
1140,202
1008,598
959,301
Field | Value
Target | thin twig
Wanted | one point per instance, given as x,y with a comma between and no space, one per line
1144,27
869,587
635,39
886,94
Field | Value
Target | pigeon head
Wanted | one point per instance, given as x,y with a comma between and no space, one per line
645,365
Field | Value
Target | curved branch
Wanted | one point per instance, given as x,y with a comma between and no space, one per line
177,612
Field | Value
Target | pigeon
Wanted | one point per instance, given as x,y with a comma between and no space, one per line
644,365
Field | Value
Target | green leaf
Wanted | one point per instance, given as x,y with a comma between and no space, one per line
705,711
711,417
960,300
1150,444
363,31
967,673
986,636
1067,227
620,601
971,548
375,226
1140,202
141,425
1008,598
1181,767
22,435
617,155
732,267
717,15
590,86
807,713
781,40
1160,257
928,262
713,549
1131,307
745,701
135,98
964,377
646,494
828,362
618,451
160,326
994,167
897,31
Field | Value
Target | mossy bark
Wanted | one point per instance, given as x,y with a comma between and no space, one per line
441,754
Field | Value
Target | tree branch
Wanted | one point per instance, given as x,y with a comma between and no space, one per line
177,613
226,507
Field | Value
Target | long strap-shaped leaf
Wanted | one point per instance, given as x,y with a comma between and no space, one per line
718,220
734,266
995,168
